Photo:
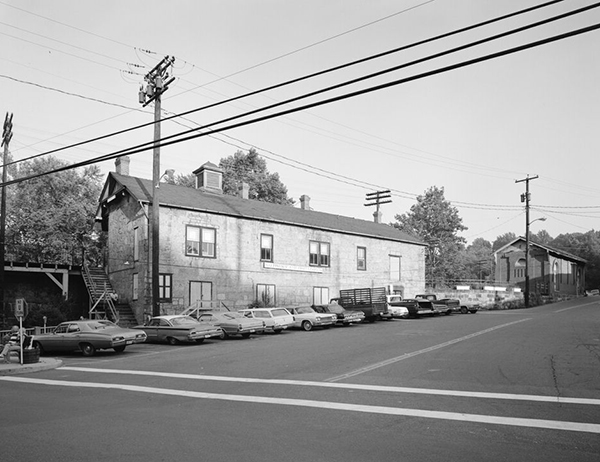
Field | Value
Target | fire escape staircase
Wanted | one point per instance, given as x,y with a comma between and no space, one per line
103,299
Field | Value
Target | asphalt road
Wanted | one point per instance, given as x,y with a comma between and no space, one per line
495,386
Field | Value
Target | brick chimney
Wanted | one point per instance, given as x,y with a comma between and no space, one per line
305,202
209,178
377,216
244,190
122,165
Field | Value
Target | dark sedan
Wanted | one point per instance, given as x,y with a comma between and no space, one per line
88,336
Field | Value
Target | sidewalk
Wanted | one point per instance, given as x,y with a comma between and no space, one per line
15,367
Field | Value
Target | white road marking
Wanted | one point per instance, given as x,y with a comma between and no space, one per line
576,306
419,413
387,362
346,386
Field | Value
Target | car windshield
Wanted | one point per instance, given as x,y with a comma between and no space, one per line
304,310
335,309
102,324
231,315
280,312
183,320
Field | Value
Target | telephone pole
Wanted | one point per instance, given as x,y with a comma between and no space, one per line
377,199
157,82
525,198
6,137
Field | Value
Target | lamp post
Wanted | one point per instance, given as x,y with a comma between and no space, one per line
527,223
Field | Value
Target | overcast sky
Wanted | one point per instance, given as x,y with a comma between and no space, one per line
71,71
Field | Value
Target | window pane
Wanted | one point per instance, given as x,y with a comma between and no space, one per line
266,247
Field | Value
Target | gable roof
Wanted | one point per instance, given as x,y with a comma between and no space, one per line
547,248
182,197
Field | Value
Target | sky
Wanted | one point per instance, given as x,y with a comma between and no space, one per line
71,71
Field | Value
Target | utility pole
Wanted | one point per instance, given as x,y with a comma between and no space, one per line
6,137
157,82
525,198
377,198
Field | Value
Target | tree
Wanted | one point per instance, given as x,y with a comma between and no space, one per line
586,246
502,240
437,222
479,259
50,218
541,237
252,169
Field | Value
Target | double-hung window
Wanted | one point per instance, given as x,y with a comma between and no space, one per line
318,253
266,247
361,258
165,287
201,242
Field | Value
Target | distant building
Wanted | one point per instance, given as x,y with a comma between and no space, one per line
552,272
233,251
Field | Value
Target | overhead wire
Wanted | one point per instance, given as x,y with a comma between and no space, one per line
323,72
169,141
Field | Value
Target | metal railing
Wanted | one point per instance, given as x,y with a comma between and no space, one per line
107,305
200,306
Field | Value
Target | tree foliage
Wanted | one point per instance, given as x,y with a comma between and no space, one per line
50,218
438,223
479,260
250,168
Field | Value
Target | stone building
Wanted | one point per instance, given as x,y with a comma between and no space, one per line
224,250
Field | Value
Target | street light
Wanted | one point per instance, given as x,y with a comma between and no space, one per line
527,223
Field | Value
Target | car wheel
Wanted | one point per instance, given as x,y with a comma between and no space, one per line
307,325
277,331
223,335
246,335
199,340
119,349
38,345
87,349
463,309
172,341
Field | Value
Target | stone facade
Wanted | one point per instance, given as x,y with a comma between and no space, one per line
232,277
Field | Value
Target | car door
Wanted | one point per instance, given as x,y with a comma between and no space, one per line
152,330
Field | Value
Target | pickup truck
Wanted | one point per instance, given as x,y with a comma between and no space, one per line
448,305
371,301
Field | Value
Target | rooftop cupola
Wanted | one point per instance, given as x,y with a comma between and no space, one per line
209,178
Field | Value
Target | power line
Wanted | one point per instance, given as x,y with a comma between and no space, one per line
144,147
329,70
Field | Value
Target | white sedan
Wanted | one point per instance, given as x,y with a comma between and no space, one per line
275,319
306,318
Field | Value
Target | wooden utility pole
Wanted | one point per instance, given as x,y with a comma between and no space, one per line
377,199
157,82
6,137
525,198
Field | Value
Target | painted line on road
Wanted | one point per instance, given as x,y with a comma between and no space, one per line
345,386
576,306
387,362
419,413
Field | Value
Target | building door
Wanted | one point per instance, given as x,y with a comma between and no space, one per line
200,292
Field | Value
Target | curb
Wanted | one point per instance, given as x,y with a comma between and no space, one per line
43,364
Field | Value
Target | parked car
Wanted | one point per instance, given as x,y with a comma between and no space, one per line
306,318
233,323
343,317
177,328
395,308
276,319
88,336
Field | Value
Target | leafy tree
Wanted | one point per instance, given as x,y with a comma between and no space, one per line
541,237
502,240
50,218
252,169
586,246
479,260
437,222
